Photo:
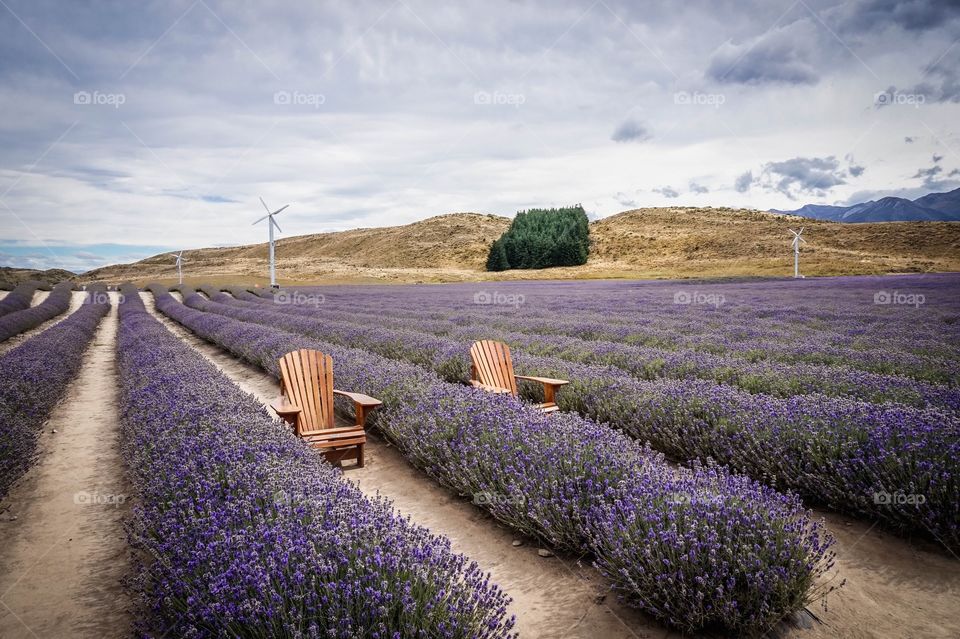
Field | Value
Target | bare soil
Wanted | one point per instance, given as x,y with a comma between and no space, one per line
64,553
894,588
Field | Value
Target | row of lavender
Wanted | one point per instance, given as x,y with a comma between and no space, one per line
251,534
649,363
35,376
896,464
773,323
19,298
57,303
694,547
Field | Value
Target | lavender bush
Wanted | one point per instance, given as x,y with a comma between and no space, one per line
852,456
56,303
576,485
252,534
19,298
35,377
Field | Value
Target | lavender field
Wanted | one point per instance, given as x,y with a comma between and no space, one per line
843,390
730,458
702,421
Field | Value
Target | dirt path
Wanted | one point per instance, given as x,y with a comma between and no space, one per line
39,296
553,597
894,588
64,552
76,300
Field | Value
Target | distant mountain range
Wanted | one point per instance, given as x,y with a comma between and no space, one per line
935,207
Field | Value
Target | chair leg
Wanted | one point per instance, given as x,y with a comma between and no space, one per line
360,456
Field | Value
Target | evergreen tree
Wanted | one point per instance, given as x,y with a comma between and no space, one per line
541,238
497,259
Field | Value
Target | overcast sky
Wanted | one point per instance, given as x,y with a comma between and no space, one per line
131,128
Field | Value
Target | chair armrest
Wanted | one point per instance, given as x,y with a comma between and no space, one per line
359,398
285,410
546,381
362,404
550,387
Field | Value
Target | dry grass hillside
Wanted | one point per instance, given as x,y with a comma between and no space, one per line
10,277
658,242
669,242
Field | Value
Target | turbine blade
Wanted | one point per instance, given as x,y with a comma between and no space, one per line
265,205
274,222
280,209
261,219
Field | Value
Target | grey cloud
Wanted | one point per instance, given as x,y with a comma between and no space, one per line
743,182
698,188
941,79
777,57
855,170
84,255
912,15
667,192
630,131
937,158
801,175
928,173
908,139
934,180
625,200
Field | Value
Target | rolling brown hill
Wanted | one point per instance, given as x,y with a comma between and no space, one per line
10,277
656,242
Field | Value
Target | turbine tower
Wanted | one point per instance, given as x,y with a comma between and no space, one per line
796,251
271,224
180,261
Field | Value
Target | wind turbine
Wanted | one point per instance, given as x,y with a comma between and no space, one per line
271,223
180,261
796,251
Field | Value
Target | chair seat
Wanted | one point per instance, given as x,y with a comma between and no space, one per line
351,437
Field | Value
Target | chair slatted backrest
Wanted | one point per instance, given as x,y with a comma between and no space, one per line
307,381
493,365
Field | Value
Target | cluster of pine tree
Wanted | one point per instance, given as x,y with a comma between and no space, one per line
540,238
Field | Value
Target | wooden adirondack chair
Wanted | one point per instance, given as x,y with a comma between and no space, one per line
492,371
306,403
